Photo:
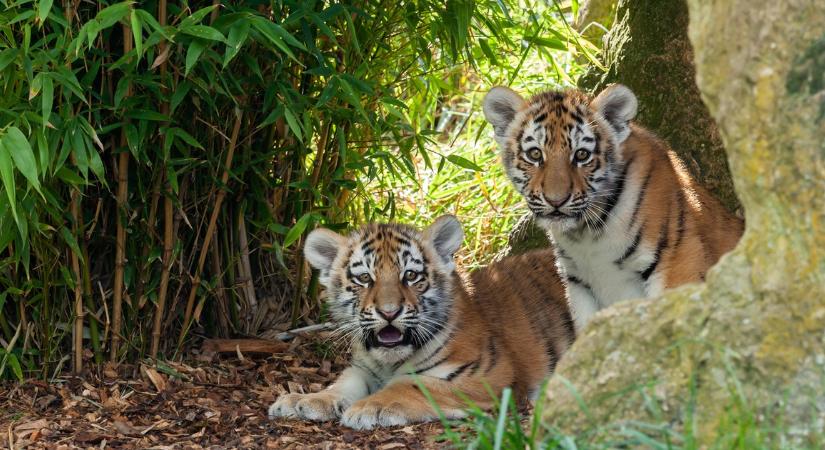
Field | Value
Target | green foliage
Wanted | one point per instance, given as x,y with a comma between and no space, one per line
348,113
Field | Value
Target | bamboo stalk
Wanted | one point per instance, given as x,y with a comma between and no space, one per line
168,210
210,229
94,331
120,242
77,338
220,292
74,209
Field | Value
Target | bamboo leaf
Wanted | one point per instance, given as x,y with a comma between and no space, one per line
47,99
464,162
21,152
204,32
292,121
194,52
297,230
112,14
186,137
43,9
137,32
15,366
7,174
237,35
6,57
70,240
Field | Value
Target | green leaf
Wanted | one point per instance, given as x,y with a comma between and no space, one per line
292,121
204,32
464,162
15,366
137,32
553,43
70,240
267,29
197,16
7,174
6,57
188,138
194,52
142,114
112,14
43,9
237,35
21,151
352,98
47,98
297,230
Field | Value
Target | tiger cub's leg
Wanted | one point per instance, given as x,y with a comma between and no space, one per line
583,304
402,402
327,404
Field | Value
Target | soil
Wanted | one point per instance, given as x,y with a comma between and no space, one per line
210,401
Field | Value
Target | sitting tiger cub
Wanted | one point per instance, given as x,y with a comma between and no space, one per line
396,294
625,217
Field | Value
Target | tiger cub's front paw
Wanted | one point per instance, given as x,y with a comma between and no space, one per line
367,414
320,406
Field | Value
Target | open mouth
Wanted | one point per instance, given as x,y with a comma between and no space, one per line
554,215
389,336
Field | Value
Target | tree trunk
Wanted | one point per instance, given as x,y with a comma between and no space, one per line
748,344
648,50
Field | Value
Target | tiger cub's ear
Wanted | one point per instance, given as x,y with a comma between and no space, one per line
617,105
322,247
500,107
445,235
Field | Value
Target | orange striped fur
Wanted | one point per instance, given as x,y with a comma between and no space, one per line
412,317
625,217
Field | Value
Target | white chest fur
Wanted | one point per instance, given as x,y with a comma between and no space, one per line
605,266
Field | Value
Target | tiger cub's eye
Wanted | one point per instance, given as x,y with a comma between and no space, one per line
581,155
364,278
534,155
410,275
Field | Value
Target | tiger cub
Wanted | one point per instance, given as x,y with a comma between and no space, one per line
396,294
623,214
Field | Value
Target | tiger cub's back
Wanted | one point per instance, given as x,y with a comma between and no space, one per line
524,306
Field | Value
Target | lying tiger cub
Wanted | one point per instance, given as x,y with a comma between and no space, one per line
396,294
625,217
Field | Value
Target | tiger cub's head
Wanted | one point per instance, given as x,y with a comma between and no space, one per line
389,286
562,150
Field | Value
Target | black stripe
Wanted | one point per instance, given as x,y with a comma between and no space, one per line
614,196
420,371
576,280
491,349
461,369
630,250
660,246
640,197
374,375
540,117
680,223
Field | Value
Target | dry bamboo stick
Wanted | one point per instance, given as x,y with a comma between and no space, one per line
210,229
246,275
120,242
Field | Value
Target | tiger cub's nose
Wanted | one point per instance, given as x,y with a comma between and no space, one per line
389,312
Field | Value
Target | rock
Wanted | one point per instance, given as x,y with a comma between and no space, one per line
750,342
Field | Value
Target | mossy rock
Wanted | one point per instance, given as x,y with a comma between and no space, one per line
745,350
